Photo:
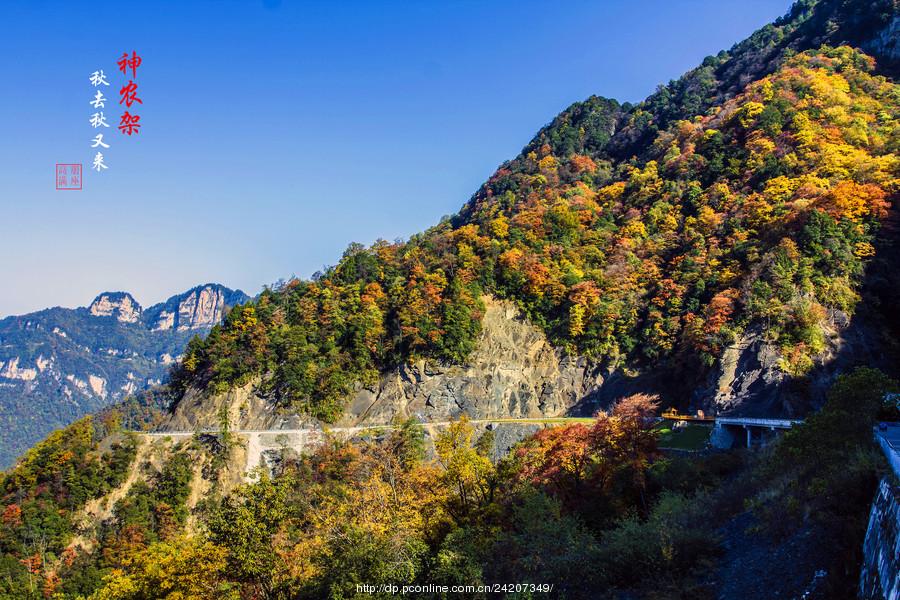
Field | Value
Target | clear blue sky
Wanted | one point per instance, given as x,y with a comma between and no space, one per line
276,132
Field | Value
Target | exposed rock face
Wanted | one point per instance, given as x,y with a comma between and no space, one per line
11,370
748,380
98,385
243,406
886,43
59,364
199,308
202,308
165,321
119,304
513,372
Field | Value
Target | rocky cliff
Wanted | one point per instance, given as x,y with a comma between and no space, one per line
199,308
514,372
120,305
59,364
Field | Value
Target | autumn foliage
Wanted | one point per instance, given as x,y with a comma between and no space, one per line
582,464
762,211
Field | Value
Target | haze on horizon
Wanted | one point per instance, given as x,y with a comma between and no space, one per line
276,133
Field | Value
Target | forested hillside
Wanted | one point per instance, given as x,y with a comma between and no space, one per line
589,510
761,210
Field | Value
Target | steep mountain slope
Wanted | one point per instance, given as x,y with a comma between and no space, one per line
59,364
871,26
749,225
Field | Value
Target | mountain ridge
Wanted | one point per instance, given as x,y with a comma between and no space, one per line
58,364
750,211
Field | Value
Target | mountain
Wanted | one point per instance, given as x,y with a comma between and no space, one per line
59,364
710,244
727,244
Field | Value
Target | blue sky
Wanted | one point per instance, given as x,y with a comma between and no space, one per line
276,132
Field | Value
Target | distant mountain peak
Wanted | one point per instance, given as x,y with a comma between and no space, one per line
121,305
61,363
198,308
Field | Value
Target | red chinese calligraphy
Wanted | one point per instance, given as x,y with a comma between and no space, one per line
129,123
129,94
130,63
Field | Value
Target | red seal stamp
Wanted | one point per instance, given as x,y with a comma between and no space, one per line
68,176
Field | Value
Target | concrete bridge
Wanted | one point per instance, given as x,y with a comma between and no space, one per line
888,437
731,431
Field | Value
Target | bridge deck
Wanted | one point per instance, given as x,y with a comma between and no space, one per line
889,440
754,422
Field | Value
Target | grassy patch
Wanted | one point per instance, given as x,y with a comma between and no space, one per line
692,436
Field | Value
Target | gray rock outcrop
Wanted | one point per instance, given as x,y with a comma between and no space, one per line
514,372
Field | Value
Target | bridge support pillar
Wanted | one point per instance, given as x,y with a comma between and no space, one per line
722,437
